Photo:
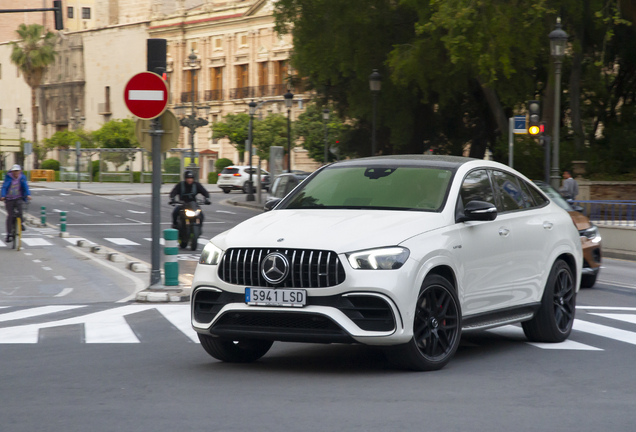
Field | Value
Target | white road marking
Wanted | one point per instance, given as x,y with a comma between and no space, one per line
134,220
74,240
618,284
225,211
179,316
37,261
33,312
58,210
161,241
146,95
609,308
122,241
605,331
516,333
28,253
63,194
36,242
64,292
202,241
2,244
47,268
628,318
59,277
138,212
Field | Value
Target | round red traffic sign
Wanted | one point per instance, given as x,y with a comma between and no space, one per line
146,95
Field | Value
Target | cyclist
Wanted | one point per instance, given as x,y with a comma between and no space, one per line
187,191
15,190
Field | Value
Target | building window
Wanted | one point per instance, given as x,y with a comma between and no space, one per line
262,74
187,95
193,45
242,76
218,43
69,11
243,39
86,13
280,73
216,78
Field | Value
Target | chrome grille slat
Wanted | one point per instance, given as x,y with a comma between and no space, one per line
306,270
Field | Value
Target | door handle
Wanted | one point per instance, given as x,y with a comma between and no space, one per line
504,232
548,225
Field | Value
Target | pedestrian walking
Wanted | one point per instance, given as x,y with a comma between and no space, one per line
570,188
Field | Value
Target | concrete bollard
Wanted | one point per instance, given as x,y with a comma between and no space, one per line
170,251
115,257
43,215
63,232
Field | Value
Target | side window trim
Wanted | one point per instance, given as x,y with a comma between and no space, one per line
459,205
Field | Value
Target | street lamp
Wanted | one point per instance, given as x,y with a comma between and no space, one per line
558,40
250,189
325,117
21,127
191,121
289,99
77,122
375,83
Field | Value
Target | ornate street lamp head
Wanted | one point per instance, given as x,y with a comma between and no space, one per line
192,58
252,108
558,39
375,81
325,114
289,99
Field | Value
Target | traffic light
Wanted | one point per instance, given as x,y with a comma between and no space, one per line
534,117
59,21
542,128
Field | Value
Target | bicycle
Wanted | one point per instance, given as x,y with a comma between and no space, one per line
16,231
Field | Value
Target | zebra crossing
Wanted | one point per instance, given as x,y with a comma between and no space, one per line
112,325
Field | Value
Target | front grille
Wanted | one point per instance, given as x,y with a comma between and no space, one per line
309,268
268,321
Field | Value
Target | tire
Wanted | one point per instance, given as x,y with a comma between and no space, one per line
226,190
245,187
195,237
242,351
553,322
588,281
436,328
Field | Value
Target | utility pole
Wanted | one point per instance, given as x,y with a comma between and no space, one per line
77,123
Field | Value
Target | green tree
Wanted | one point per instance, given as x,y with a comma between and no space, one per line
32,54
234,128
66,139
116,134
310,127
270,131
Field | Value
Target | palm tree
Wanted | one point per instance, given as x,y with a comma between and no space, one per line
32,55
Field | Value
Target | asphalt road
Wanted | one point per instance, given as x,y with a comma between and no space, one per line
137,367
123,222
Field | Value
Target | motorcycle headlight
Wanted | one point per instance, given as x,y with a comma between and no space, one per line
211,254
591,232
192,213
391,258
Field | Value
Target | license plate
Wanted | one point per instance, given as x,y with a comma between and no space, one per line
275,297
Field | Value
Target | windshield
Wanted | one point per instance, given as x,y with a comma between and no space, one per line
382,188
554,196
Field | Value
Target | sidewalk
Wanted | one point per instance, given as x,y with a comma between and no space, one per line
113,188
240,201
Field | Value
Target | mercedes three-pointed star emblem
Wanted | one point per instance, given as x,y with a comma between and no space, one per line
275,267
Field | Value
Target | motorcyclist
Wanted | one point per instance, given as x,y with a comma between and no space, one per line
15,190
187,191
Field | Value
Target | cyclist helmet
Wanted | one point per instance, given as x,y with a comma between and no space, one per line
188,174
16,167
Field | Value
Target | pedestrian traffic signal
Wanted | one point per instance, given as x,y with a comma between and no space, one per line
59,21
534,117
542,128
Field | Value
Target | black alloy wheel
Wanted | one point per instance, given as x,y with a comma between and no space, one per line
436,327
555,317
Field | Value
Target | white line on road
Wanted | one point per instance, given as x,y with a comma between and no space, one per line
2,244
161,241
36,242
225,211
516,333
122,241
64,292
180,318
37,261
28,254
137,212
59,277
618,284
609,308
134,220
628,318
605,331
63,194
47,268
33,312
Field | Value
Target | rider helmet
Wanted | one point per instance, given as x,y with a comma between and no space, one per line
188,174
15,167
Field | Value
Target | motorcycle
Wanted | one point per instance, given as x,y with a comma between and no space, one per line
189,223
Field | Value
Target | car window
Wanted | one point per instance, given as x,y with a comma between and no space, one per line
511,196
527,195
477,187
291,184
229,171
550,192
281,187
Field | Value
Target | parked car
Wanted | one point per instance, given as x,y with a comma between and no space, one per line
237,178
404,252
284,184
590,236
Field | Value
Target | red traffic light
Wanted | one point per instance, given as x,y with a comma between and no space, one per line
542,128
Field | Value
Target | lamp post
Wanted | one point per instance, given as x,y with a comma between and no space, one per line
77,122
325,117
289,99
252,111
558,39
191,121
21,126
375,83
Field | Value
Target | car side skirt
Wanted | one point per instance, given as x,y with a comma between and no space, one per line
500,317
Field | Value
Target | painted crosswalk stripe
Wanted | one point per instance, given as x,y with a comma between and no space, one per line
180,318
74,240
605,331
161,241
2,244
33,312
628,318
122,241
608,308
516,333
36,242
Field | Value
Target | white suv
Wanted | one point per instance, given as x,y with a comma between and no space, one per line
237,177
400,251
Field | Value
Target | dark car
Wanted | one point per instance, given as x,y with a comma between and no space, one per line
284,184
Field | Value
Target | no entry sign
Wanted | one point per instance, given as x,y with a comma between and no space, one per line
146,95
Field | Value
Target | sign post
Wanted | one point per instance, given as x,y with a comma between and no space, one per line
146,96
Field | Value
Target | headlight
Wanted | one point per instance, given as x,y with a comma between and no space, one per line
190,213
379,259
591,232
210,255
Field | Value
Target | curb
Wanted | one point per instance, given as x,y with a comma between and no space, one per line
164,294
257,207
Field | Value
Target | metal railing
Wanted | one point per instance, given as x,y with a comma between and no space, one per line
213,95
187,97
610,212
243,92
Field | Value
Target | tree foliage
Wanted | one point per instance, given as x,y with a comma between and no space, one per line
234,128
310,128
116,134
270,131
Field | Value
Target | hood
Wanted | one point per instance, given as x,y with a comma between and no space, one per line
580,220
337,230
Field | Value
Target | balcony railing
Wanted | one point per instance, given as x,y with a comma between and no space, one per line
243,92
214,95
187,97
261,91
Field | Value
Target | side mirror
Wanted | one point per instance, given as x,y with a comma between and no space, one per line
479,211
271,204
